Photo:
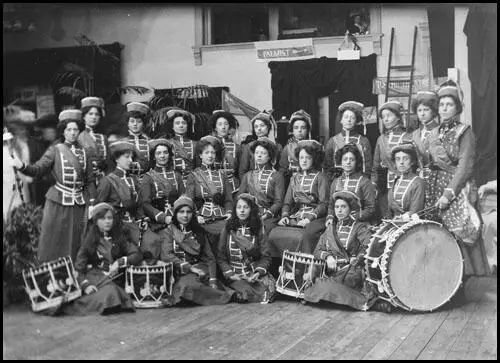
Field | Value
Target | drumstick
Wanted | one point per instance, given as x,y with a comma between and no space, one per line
107,277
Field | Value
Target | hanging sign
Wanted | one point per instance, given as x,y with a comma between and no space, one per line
284,50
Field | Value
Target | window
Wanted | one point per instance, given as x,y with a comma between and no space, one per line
239,23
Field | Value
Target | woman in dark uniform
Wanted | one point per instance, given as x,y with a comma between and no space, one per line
65,213
137,117
265,183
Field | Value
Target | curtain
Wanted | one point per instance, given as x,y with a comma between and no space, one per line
481,30
442,36
298,85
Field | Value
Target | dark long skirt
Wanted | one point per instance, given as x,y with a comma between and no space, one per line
270,224
62,231
108,298
214,230
344,288
151,241
262,290
311,235
189,287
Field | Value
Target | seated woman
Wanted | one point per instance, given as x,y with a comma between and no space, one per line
300,128
305,204
210,190
120,189
265,183
343,246
407,196
262,124
222,123
243,253
160,187
105,250
195,267
353,180
350,115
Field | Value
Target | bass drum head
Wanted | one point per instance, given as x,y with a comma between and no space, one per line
425,267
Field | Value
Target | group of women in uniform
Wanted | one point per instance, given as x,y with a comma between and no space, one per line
223,213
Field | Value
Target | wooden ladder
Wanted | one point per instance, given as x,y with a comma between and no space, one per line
403,68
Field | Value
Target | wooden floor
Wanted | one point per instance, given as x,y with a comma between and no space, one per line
284,329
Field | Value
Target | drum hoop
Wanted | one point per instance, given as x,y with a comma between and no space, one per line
385,264
167,284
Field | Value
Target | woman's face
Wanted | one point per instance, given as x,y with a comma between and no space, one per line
348,162
180,125
71,132
348,120
184,215
92,117
389,119
125,160
261,155
342,209
208,155
242,210
161,155
106,222
403,162
300,130
425,114
260,128
305,160
447,108
222,127
135,125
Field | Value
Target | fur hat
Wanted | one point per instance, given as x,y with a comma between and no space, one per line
303,116
153,143
311,143
426,95
267,117
351,198
138,107
394,106
101,207
175,112
358,106
182,201
94,102
122,145
408,147
233,122
70,115
449,90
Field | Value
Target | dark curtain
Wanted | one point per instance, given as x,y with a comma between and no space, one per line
481,30
442,36
299,84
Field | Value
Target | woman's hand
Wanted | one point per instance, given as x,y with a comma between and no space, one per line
234,277
113,269
329,222
254,277
331,263
405,217
201,220
443,202
197,271
90,289
168,220
213,285
304,222
264,217
284,221
15,161
353,261
228,215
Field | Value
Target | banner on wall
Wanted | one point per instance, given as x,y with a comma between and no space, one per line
284,50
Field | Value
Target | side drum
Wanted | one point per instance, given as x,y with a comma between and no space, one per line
297,272
149,286
417,266
51,284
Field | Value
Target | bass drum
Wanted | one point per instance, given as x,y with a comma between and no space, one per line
417,266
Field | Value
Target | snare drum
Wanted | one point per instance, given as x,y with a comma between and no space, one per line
297,272
51,284
149,285
417,266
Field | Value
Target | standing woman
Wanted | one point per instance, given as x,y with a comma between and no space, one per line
426,108
265,183
384,170
120,189
222,123
189,250
305,204
160,186
262,124
105,250
94,143
407,196
453,154
180,125
350,115
210,189
64,213
342,246
353,180
137,117
243,253
300,128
